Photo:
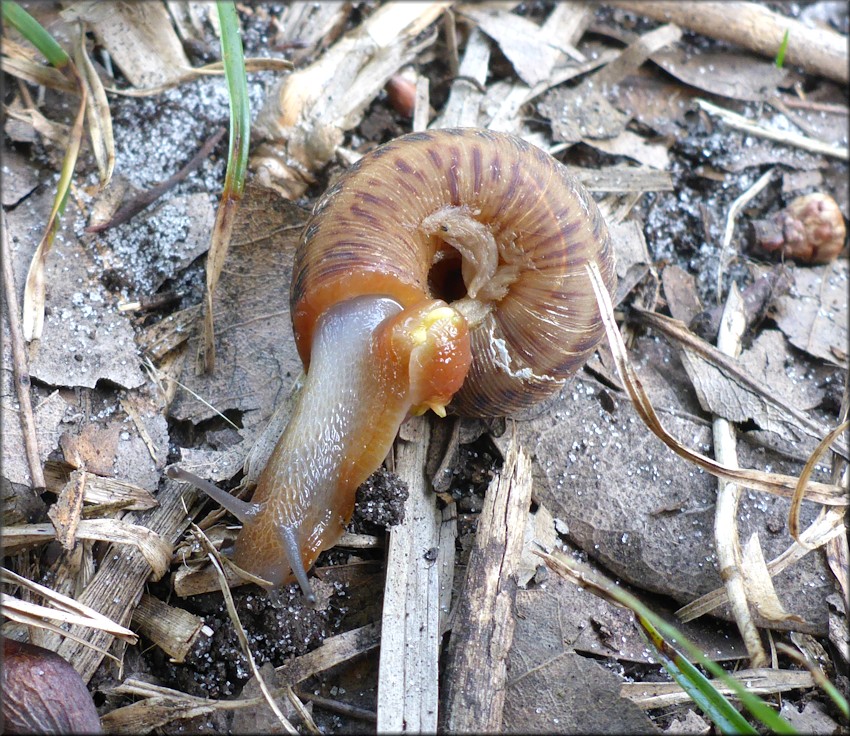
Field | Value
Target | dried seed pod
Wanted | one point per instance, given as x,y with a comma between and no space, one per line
42,693
810,230
445,266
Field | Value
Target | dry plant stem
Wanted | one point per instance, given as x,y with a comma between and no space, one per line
829,525
675,330
304,119
19,363
736,207
155,550
775,483
410,639
222,231
751,25
421,108
727,544
216,69
97,110
130,209
240,630
335,650
66,610
765,681
337,706
464,103
450,29
174,630
484,624
119,581
838,549
799,491
33,615
789,138
35,288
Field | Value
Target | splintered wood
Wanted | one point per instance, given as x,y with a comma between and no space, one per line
410,628
485,620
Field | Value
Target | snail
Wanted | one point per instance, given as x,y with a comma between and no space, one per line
443,268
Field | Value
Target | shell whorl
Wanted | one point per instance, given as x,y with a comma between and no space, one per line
366,236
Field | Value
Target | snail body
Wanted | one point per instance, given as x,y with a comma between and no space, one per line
444,266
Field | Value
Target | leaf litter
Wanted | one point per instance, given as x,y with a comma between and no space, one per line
649,521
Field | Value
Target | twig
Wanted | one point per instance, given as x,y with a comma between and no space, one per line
789,138
753,26
727,545
484,626
130,209
19,364
337,706
736,207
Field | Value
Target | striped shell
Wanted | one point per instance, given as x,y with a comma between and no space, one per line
366,236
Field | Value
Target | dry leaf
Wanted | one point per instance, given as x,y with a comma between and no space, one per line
19,177
681,293
581,114
138,36
724,396
730,74
814,315
256,360
65,513
639,509
522,41
550,687
759,585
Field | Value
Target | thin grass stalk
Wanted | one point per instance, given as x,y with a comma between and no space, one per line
237,164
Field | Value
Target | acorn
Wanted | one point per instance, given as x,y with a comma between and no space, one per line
809,230
42,693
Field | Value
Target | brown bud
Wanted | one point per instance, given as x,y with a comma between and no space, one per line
401,93
810,230
42,693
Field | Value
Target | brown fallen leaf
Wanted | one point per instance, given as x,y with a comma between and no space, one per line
767,361
551,688
814,315
603,473
681,293
730,74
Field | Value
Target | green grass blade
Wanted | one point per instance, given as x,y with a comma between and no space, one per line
237,85
724,715
783,48
586,578
237,165
35,33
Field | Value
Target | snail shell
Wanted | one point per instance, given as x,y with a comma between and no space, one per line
386,226
443,266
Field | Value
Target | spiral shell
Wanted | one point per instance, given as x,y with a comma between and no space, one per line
381,229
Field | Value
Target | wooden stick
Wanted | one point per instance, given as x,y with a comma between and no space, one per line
19,364
410,628
817,50
484,624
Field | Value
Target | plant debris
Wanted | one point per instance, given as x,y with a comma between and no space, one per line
689,136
